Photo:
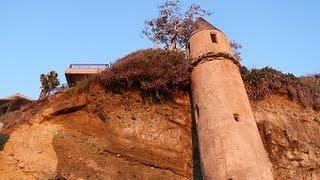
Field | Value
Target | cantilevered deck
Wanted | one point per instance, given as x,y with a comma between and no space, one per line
77,72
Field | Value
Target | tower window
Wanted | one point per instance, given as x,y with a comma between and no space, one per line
213,37
236,117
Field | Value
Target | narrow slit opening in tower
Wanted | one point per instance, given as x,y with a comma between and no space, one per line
213,37
236,117
197,111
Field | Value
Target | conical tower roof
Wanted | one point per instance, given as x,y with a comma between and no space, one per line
201,24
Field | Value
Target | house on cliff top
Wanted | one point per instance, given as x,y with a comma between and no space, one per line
78,72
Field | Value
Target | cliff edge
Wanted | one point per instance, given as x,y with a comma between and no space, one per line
97,132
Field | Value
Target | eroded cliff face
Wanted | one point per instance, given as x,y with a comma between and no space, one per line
100,135
291,136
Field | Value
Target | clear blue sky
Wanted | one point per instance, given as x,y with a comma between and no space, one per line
37,36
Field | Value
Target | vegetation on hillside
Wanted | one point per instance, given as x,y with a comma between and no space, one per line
7,106
156,72
311,81
159,72
261,83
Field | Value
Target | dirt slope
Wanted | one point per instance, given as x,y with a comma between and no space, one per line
99,135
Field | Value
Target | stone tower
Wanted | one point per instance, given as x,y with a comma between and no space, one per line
229,141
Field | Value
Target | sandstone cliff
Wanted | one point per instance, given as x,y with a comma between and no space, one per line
291,136
101,135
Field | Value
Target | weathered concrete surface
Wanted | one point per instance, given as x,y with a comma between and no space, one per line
229,140
200,43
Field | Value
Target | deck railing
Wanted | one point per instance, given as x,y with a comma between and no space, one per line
93,66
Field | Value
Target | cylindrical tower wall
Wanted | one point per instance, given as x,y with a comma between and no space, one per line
208,41
230,145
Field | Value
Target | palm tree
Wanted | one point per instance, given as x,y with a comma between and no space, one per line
49,82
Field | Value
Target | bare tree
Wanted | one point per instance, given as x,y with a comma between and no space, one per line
236,47
49,82
172,27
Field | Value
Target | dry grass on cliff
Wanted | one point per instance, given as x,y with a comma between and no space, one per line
7,106
22,115
261,83
155,72
158,72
